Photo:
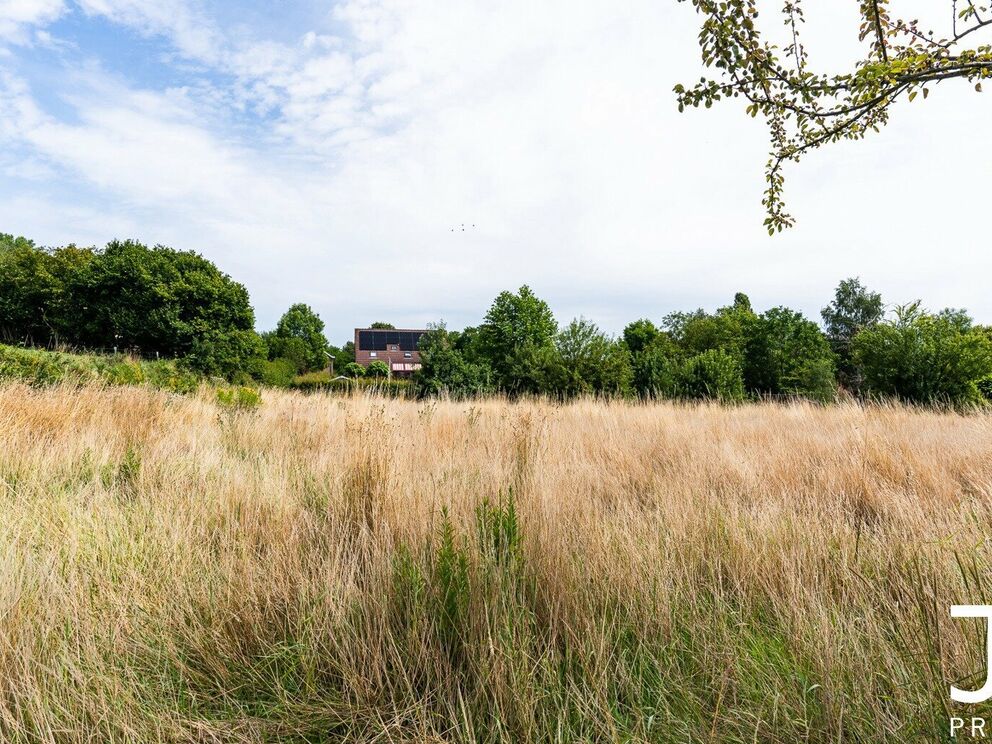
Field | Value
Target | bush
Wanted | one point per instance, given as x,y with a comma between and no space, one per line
225,353
43,367
39,367
244,398
277,373
123,372
166,375
712,374
656,368
377,369
354,370
924,358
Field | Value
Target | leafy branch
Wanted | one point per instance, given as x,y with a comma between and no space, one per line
805,109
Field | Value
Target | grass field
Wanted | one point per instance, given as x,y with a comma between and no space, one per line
323,569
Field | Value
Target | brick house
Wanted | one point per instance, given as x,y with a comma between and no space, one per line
397,348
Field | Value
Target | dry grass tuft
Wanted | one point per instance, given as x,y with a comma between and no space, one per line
328,569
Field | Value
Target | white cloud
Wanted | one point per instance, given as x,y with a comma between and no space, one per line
16,16
549,126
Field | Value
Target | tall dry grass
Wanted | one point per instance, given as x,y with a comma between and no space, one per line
326,569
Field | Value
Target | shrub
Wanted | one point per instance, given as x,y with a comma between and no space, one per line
656,368
123,372
712,374
924,358
354,370
224,353
166,375
377,369
239,398
43,367
278,373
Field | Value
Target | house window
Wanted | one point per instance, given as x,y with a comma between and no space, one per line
373,353
394,347
407,355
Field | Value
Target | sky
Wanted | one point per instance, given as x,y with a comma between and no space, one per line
332,153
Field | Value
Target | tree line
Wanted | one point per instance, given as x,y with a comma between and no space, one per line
179,304
730,355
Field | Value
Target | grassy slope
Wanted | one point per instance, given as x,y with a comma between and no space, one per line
41,367
328,569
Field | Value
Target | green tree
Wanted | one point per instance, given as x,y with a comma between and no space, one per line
444,369
853,308
805,109
788,354
343,355
130,296
28,288
924,358
590,362
291,349
639,335
302,323
656,368
516,337
727,329
384,326
233,354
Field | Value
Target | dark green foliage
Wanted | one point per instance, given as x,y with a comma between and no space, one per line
924,358
384,326
277,373
984,386
223,353
127,296
656,368
343,356
785,354
292,349
444,368
639,335
778,353
852,309
588,361
516,338
712,374
377,369
353,370
299,335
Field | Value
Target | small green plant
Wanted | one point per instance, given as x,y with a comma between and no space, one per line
124,372
354,370
239,398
